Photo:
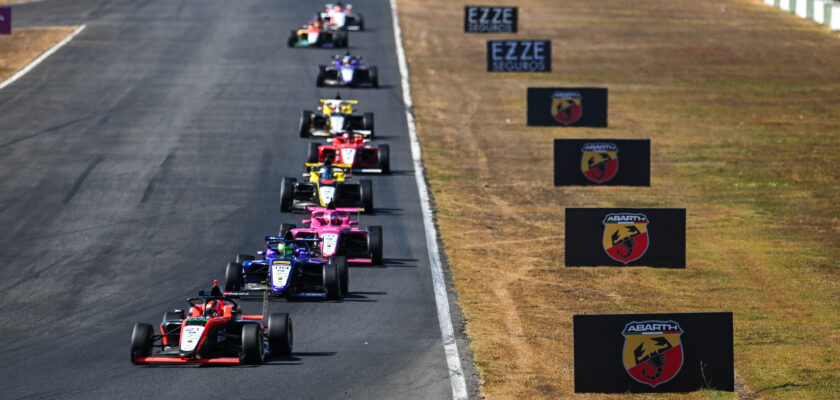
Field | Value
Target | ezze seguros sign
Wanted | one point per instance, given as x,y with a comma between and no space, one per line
490,19
519,55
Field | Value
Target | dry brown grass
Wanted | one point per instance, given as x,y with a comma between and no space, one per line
742,104
24,45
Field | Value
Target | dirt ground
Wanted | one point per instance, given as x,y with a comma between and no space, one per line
740,101
24,45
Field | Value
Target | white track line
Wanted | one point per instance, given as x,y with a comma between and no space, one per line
456,373
42,57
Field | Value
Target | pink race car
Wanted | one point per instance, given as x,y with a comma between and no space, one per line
338,228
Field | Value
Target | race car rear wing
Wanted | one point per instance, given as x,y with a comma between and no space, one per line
278,239
339,101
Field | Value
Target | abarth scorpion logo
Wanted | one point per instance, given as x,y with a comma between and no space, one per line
653,352
625,236
599,161
566,107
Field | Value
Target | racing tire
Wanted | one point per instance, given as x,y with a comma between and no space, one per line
343,272
341,39
285,228
373,74
233,277
322,72
385,158
141,342
361,22
252,344
332,281
286,194
366,194
367,123
374,242
305,123
292,38
281,334
241,258
312,153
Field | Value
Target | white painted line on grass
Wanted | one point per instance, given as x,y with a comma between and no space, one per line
42,57
456,373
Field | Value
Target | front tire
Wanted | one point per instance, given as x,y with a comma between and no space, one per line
343,274
252,344
280,334
233,277
141,342
331,281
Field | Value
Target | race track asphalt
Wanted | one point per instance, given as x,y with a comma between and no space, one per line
141,157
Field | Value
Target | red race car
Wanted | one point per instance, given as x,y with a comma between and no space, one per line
213,331
352,151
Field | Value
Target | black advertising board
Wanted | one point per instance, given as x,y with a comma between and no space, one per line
479,19
680,352
519,56
567,107
653,237
5,20
601,162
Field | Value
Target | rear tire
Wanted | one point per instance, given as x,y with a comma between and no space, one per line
286,228
292,38
373,73
322,72
252,344
366,188
367,123
361,22
141,342
287,190
312,153
281,334
233,277
332,281
341,264
305,123
385,158
374,242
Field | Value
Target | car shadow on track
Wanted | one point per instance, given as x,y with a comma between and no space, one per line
360,297
399,262
387,211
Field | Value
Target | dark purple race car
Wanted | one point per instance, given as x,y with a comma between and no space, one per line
347,70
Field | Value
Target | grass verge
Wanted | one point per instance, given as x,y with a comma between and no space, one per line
26,44
741,103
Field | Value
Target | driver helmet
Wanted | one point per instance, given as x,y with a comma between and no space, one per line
326,172
335,220
346,60
346,137
301,253
213,308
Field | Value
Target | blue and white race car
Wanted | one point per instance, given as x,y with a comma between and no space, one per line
290,268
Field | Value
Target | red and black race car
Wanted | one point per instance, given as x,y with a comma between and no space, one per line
353,151
213,331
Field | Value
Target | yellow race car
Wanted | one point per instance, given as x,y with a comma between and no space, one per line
335,117
325,186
